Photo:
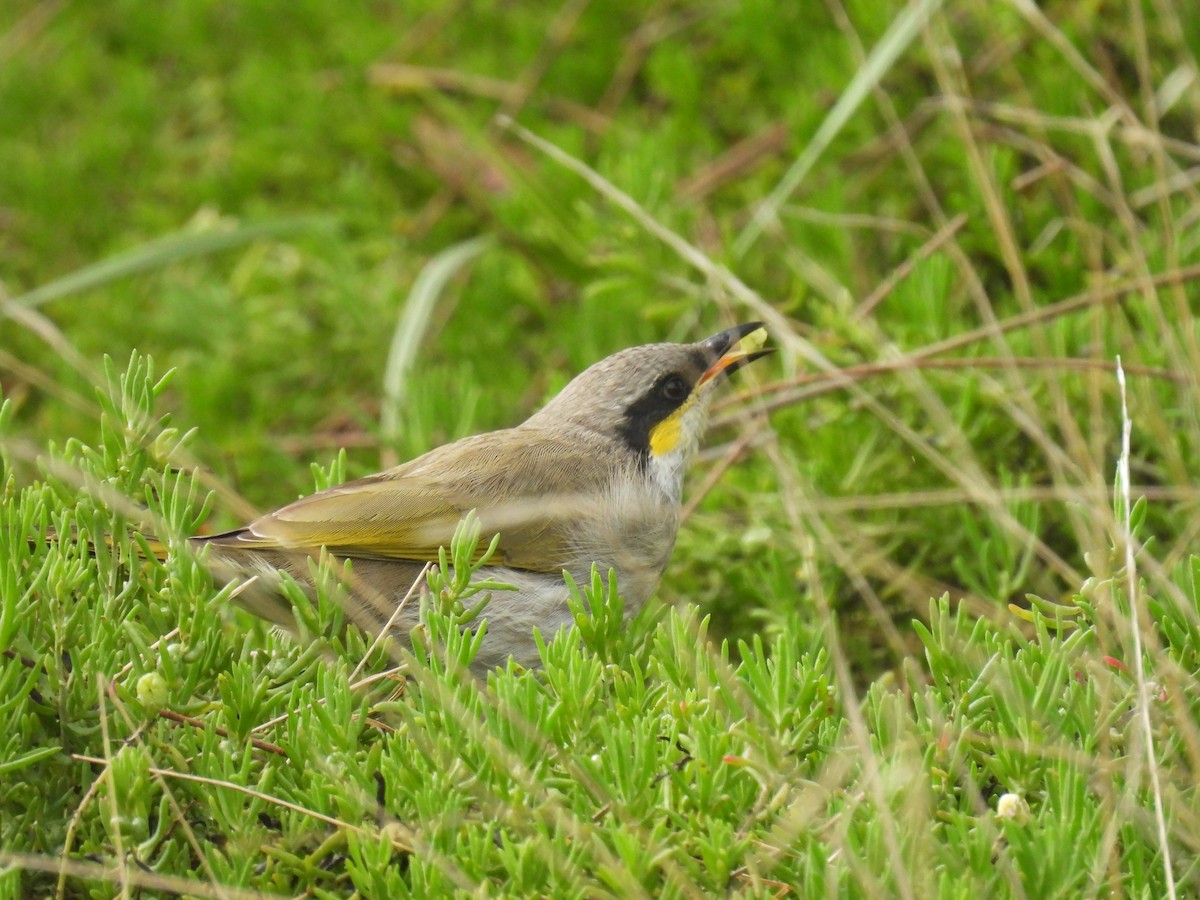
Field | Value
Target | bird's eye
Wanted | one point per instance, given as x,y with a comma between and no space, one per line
675,389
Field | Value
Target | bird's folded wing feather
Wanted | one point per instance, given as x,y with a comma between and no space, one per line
527,487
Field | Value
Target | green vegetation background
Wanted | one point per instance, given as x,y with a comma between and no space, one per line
967,212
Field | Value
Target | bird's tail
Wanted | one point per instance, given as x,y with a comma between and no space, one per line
259,593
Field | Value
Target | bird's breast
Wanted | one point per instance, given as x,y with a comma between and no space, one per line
630,527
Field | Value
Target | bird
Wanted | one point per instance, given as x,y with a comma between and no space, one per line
594,478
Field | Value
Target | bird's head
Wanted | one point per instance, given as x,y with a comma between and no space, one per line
654,399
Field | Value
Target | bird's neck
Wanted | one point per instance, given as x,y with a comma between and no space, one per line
666,473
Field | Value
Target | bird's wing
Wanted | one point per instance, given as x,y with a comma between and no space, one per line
530,499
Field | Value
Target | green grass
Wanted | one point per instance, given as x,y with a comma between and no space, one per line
910,583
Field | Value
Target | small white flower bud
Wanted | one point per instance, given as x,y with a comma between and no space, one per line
1014,807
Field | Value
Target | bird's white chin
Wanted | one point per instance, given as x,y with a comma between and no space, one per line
666,473
666,470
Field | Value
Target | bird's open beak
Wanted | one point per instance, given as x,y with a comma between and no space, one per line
735,347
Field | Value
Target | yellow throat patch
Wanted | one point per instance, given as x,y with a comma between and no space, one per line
665,436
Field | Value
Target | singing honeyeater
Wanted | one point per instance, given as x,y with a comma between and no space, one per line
594,477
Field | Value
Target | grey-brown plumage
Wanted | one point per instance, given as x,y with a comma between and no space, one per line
594,477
